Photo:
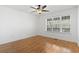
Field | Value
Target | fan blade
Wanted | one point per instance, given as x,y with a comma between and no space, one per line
45,10
44,6
33,11
33,7
39,6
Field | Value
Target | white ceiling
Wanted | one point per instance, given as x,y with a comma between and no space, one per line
51,8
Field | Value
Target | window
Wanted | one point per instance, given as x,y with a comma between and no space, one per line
58,24
65,23
49,24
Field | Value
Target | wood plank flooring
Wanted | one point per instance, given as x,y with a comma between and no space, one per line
36,44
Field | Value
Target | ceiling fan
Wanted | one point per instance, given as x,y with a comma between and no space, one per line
40,9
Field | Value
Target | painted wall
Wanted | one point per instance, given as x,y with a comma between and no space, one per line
78,26
63,36
16,25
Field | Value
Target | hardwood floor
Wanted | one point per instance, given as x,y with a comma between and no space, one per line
36,44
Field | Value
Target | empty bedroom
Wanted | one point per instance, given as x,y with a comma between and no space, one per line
39,29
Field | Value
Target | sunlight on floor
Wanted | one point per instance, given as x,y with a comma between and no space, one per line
49,48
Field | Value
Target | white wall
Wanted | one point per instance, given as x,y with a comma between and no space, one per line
78,26
16,25
63,36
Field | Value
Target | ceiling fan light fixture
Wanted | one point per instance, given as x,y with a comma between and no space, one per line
40,9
